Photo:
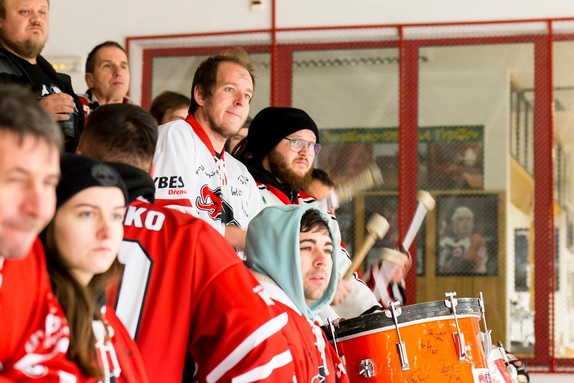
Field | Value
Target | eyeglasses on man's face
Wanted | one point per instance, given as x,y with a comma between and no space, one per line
298,144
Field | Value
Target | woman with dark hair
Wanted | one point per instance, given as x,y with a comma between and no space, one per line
82,244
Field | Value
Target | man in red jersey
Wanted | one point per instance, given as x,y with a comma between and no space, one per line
185,295
292,251
33,330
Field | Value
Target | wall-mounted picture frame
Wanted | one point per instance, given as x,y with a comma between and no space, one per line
449,157
467,234
455,165
521,262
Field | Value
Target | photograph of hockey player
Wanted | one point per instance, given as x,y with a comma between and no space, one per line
29,172
82,244
279,151
462,250
291,250
186,298
192,170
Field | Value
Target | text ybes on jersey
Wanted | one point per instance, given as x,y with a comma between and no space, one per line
175,184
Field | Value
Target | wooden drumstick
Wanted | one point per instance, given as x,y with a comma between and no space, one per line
426,203
369,178
377,227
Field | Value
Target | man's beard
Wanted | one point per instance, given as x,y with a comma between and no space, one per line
281,171
29,49
315,293
216,128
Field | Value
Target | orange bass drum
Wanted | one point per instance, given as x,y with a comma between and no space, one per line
425,342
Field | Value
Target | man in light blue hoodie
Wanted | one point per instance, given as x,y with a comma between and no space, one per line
279,151
290,250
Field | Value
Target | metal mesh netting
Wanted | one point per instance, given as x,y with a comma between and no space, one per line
495,158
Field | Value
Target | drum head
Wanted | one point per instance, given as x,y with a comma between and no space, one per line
410,313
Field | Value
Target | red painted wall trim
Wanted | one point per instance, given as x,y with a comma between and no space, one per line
408,146
543,200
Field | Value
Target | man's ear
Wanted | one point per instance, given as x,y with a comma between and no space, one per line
199,95
89,80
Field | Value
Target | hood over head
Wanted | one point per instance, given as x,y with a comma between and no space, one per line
272,249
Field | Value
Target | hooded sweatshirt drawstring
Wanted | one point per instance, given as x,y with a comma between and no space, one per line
320,343
106,348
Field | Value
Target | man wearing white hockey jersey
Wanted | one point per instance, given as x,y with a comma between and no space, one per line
192,170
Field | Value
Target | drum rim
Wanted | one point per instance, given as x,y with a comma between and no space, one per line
391,327
410,314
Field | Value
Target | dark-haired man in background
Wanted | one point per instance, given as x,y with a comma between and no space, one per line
107,75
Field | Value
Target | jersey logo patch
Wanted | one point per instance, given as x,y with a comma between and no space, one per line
212,202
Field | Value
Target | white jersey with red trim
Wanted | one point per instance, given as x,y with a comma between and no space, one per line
189,176
361,297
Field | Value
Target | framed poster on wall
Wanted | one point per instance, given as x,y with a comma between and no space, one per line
449,157
467,234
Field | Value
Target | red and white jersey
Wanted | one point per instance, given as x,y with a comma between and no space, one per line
187,298
119,356
34,333
386,291
90,103
361,298
314,358
189,175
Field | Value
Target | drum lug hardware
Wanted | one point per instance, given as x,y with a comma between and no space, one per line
460,345
394,312
367,368
401,348
398,311
458,336
509,366
485,335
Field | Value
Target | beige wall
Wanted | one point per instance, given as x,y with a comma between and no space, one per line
79,25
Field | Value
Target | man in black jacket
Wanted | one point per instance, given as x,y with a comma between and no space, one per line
24,27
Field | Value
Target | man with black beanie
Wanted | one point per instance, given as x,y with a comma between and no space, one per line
279,151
